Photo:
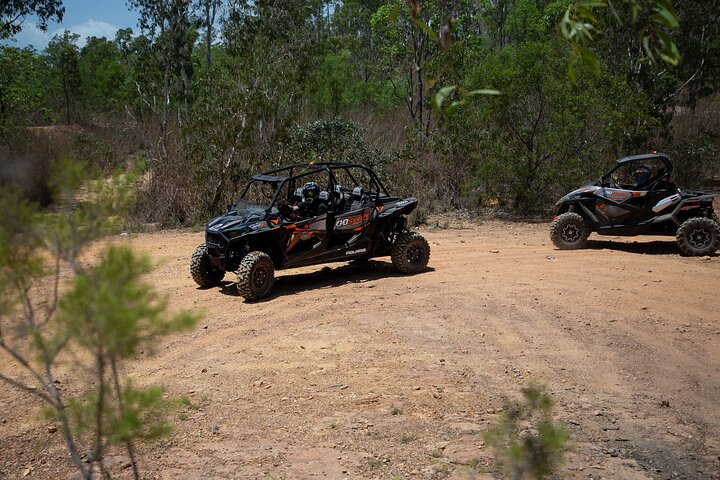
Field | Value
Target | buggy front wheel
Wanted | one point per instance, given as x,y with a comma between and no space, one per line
569,231
255,276
204,273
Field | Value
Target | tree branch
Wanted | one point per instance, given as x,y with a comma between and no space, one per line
28,389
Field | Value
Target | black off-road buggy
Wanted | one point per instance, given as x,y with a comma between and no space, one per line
305,215
637,197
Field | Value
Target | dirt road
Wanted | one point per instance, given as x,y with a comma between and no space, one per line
353,371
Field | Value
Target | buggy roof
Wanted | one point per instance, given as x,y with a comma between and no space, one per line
646,156
297,170
261,177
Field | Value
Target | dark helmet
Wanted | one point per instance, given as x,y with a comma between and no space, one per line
311,192
641,175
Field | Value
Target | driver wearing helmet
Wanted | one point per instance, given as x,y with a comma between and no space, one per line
310,200
641,175
312,203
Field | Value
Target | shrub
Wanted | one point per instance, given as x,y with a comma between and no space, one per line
526,440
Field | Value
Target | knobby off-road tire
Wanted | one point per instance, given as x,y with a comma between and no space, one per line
569,231
255,276
698,236
203,272
410,253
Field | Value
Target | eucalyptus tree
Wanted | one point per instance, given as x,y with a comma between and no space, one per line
167,23
22,90
64,57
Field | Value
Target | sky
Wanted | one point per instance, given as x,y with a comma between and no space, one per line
98,18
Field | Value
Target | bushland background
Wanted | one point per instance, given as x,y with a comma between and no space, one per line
205,92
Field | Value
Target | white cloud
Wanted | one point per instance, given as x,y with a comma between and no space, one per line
32,35
90,28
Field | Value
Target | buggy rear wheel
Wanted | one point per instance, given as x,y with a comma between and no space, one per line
410,252
202,271
255,276
698,236
569,231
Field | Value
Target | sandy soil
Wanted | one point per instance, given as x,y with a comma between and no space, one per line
353,371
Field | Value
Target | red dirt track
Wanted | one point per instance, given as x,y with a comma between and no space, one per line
353,371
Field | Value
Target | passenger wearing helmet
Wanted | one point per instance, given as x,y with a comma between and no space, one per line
641,175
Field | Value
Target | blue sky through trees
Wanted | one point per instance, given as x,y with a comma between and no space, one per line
98,18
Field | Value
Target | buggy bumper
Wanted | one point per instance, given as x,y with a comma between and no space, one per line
217,249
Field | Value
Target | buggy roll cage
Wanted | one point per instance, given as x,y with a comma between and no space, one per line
645,156
664,158
280,176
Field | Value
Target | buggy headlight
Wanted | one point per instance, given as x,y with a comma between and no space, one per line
258,225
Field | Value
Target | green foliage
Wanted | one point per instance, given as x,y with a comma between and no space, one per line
22,89
102,75
63,57
699,41
139,414
544,133
110,309
19,244
407,41
693,160
654,19
333,82
444,92
528,443
13,13
205,116
332,141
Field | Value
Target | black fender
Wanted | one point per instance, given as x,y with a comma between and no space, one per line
403,207
579,206
256,241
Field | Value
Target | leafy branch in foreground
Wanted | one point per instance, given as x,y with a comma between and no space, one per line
106,315
527,442
654,18
444,39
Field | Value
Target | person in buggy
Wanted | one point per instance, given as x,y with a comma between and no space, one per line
312,203
641,175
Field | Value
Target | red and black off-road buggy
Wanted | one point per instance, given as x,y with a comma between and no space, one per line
304,215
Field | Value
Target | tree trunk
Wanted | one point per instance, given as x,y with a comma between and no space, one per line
66,92
97,452
209,20
121,407
164,115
